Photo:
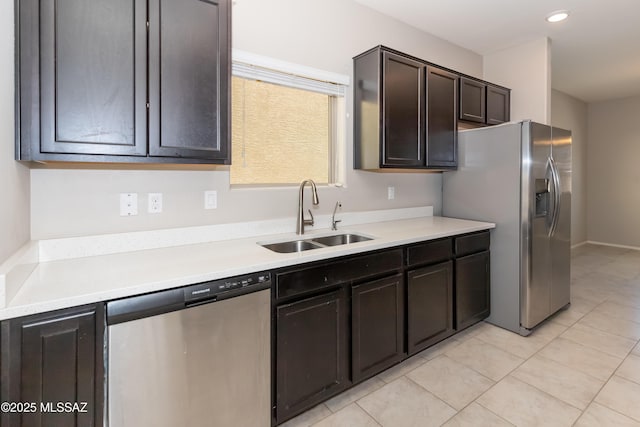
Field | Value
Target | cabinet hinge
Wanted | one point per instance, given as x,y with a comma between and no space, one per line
147,105
147,24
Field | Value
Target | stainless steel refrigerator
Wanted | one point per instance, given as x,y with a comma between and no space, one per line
518,175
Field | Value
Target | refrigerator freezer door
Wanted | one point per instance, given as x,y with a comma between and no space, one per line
560,242
536,252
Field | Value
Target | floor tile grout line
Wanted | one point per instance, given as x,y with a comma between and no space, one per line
609,332
430,392
606,407
593,400
351,389
375,420
478,403
592,348
436,397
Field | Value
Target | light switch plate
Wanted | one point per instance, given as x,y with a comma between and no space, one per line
210,199
391,193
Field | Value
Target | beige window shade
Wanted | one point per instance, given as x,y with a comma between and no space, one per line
280,135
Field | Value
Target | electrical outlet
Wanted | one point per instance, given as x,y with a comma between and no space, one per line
128,204
391,193
210,199
154,204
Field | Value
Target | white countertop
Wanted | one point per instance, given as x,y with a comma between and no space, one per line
71,282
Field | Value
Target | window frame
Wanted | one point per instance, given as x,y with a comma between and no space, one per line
270,70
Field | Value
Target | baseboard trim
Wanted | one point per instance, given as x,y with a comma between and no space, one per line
577,245
592,242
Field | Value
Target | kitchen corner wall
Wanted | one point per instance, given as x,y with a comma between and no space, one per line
325,35
571,113
613,154
14,177
526,69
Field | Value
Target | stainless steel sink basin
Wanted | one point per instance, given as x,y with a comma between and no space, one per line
315,243
292,246
341,239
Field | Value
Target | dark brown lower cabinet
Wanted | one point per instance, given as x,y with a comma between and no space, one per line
429,305
377,326
52,359
472,289
312,355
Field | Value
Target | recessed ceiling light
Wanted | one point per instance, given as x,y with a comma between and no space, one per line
557,16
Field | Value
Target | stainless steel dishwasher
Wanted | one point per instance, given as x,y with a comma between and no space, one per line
194,356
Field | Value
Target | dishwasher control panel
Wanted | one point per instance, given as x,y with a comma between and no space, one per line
227,288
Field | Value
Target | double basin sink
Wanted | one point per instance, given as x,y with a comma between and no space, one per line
315,243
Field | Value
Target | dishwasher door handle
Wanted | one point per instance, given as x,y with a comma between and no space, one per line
133,308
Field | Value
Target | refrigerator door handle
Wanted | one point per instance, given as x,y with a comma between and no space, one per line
555,178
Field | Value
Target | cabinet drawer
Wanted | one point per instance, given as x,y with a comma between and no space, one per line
471,243
300,281
429,252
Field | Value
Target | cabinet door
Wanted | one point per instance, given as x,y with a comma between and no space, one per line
498,105
377,322
429,305
472,289
54,358
442,118
311,352
472,100
403,104
82,78
189,71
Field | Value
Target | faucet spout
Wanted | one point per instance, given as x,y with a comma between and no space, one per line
301,221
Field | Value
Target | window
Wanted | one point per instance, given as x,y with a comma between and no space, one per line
287,123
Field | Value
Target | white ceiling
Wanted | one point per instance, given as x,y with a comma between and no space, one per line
595,54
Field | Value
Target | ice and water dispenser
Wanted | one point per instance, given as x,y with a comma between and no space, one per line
543,197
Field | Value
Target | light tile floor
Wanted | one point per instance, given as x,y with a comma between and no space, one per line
580,368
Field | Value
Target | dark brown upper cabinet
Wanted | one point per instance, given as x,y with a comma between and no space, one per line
498,105
473,100
483,103
442,118
123,81
405,112
403,104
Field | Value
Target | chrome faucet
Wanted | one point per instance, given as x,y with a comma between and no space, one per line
314,193
334,222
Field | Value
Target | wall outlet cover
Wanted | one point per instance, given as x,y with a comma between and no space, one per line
128,204
154,204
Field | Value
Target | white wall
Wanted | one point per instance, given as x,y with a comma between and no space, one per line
526,69
324,35
14,177
570,113
614,172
